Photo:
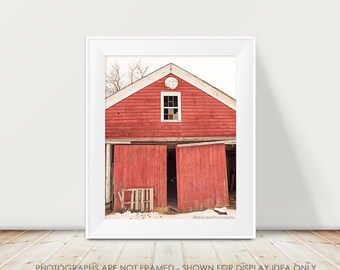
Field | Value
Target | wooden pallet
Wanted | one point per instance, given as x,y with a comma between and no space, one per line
141,199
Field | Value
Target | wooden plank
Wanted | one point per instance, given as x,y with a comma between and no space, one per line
139,199
73,251
142,200
121,198
151,200
138,252
131,122
202,143
104,252
108,159
331,236
136,200
199,252
233,252
264,252
148,199
328,251
40,251
132,199
20,244
296,251
117,142
6,236
167,139
190,114
169,252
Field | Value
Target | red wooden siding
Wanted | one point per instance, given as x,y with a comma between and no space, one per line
201,177
139,114
140,166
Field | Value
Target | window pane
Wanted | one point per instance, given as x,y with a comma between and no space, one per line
170,108
171,101
166,114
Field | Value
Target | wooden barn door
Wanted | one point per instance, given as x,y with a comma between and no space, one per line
140,166
201,177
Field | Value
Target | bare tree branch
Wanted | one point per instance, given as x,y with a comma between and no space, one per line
137,70
115,79
131,72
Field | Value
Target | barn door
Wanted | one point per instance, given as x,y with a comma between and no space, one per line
140,166
201,177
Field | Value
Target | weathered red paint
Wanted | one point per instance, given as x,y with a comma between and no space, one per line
138,116
140,166
201,177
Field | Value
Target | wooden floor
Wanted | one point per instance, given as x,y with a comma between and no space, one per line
27,249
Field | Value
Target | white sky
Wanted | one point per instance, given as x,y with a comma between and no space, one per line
218,71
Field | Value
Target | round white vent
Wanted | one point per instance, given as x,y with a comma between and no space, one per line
171,83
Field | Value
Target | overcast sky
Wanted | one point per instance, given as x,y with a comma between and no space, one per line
217,70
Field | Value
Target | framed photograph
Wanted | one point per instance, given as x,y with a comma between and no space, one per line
170,138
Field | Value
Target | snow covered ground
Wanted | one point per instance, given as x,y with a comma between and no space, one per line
206,214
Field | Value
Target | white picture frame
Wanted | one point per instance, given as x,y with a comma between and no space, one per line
243,226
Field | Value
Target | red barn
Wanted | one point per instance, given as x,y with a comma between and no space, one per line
174,133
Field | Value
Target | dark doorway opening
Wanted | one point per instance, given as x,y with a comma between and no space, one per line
172,178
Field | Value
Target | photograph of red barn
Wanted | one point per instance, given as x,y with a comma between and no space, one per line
170,142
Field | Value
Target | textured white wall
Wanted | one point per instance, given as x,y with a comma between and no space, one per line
42,112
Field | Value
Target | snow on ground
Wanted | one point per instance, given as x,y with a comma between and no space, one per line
206,214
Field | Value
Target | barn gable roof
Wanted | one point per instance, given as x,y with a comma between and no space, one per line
164,71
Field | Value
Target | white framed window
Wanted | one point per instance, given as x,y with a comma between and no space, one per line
171,107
